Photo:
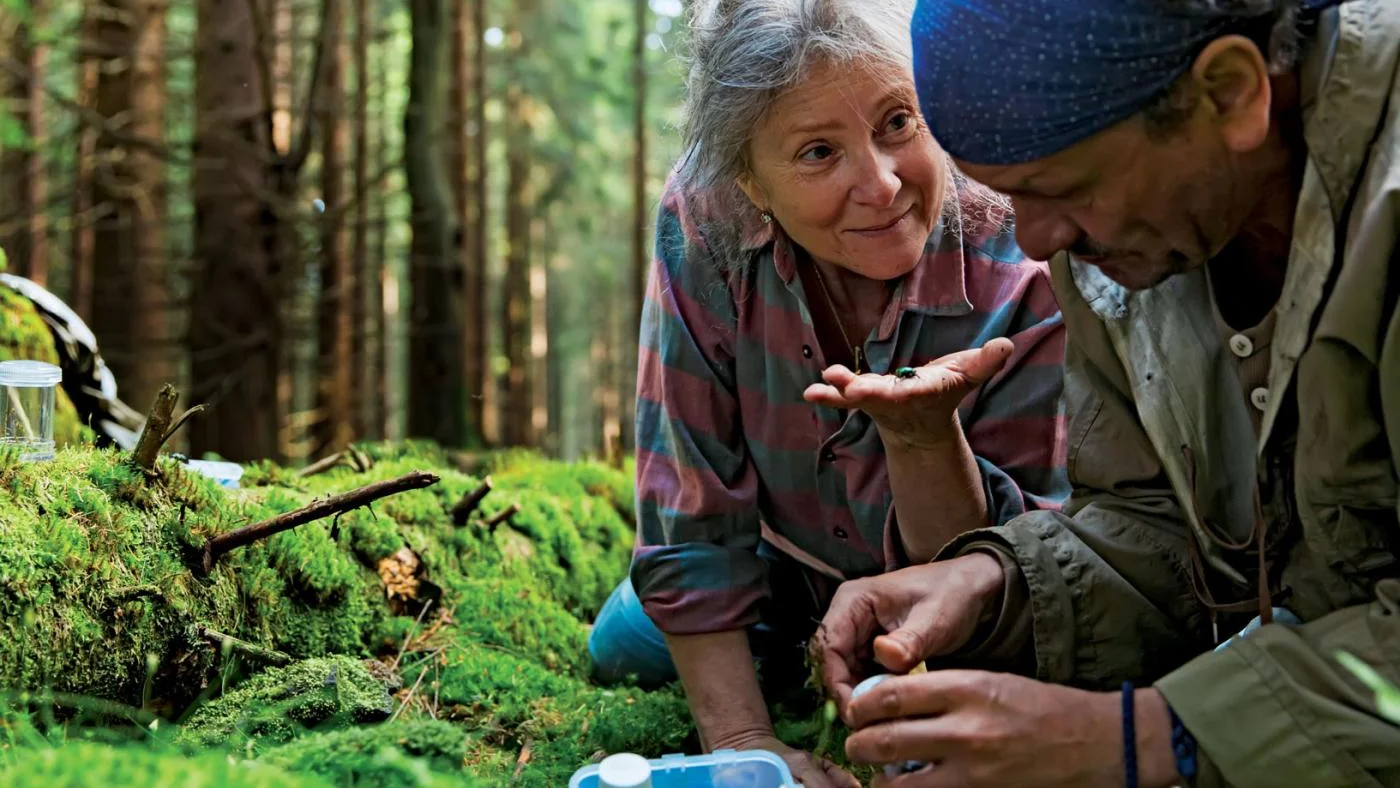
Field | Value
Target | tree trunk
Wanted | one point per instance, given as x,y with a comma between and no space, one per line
461,136
478,369
335,388
360,369
25,219
378,362
437,400
236,305
131,295
84,242
539,334
515,330
627,371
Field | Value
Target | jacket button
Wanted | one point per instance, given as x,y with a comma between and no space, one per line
839,532
1241,346
1259,398
806,351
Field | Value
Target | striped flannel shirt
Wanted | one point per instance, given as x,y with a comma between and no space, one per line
729,453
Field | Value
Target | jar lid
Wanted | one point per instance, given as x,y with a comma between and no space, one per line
30,374
624,770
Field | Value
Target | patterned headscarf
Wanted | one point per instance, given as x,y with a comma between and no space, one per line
1011,81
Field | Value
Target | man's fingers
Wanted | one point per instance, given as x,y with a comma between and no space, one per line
927,739
918,696
826,394
839,777
928,777
978,365
812,775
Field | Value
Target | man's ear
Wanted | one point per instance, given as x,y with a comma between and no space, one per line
1234,78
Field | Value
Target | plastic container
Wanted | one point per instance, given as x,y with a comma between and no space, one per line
719,769
27,393
892,770
226,474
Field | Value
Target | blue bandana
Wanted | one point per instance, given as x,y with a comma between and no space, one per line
1010,81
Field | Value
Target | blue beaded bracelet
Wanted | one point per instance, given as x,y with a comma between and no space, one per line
1130,770
1184,747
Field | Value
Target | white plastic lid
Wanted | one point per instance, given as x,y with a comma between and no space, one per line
869,684
624,770
29,374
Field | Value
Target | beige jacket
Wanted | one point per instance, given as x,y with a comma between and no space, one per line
1152,392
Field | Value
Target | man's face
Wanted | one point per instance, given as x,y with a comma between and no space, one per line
1142,207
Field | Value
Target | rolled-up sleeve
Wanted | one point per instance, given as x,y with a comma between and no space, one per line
695,565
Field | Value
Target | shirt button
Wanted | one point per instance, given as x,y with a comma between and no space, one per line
839,532
1241,346
806,351
1259,398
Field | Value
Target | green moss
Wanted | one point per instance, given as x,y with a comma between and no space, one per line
279,704
23,335
81,765
423,753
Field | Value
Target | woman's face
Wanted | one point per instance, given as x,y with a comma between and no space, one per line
845,164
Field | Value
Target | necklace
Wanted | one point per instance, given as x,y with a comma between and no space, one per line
855,349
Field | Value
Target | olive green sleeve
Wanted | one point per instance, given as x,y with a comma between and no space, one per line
1276,708
1106,581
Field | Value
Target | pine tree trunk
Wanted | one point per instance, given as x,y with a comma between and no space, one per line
361,371
84,241
131,297
515,330
25,217
437,400
627,370
461,141
335,388
236,330
478,369
378,362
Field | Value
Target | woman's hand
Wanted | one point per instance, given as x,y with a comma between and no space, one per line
918,411
809,770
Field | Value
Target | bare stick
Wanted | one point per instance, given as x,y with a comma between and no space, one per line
464,508
180,422
411,632
243,647
503,516
322,465
157,427
409,697
522,760
217,546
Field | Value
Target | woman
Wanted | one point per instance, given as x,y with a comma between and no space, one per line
837,330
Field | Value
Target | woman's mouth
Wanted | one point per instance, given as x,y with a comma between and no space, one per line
885,227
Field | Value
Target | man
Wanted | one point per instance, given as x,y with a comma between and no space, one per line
1218,182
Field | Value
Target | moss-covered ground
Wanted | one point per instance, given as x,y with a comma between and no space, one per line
419,653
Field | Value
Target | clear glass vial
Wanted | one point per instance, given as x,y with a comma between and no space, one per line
28,390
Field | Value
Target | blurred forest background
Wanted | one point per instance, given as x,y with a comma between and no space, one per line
340,220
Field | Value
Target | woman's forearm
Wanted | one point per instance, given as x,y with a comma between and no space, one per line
722,688
937,492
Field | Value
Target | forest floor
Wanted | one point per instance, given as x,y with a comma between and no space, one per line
432,638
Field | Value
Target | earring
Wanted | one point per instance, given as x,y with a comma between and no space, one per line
767,217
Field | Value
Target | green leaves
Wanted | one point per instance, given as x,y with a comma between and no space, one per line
1387,694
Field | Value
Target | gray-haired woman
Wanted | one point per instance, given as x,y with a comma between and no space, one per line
835,327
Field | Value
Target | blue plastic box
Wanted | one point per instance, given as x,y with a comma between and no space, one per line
719,769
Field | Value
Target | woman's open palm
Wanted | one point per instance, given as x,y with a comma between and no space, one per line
920,409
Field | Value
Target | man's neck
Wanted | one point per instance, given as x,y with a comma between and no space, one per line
1248,274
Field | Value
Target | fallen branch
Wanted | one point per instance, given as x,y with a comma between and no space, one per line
462,511
180,422
502,516
522,760
155,432
219,545
353,457
270,656
409,697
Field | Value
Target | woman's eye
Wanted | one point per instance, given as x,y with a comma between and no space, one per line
899,122
817,153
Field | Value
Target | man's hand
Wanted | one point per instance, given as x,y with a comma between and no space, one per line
917,411
902,618
992,729
809,770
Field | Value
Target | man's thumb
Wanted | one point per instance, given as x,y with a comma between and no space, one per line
900,650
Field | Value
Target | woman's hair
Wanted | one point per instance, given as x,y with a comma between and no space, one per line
743,55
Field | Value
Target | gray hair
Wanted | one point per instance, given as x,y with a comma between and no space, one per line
743,55
1275,26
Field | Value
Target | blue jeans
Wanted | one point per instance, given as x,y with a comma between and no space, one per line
625,644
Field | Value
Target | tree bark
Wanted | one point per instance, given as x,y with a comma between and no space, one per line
360,370
25,217
378,362
461,136
515,330
131,295
84,241
477,367
627,371
236,329
335,388
437,400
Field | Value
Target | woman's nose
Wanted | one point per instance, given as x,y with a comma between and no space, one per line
877,183
1041,233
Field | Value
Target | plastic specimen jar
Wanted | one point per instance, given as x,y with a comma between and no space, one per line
27,393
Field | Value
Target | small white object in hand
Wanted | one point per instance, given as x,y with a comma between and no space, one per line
892,770
318,205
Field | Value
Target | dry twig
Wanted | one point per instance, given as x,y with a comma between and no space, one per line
463,509
503,516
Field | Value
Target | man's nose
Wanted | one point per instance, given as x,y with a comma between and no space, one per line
1041,233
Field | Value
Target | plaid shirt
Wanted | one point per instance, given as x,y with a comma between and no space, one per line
729,453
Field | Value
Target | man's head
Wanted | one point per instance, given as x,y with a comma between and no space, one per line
1139,135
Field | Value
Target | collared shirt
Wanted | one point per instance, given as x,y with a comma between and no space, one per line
728,451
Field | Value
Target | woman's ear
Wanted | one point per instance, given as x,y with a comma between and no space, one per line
753,191
1234,77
